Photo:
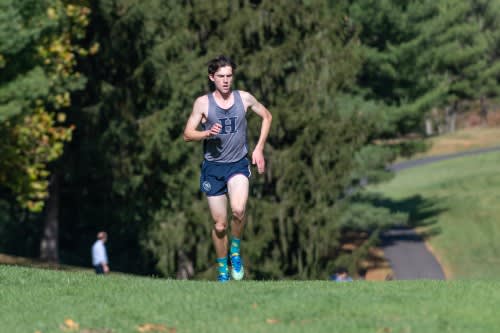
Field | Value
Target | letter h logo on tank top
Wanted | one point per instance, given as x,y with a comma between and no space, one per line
228,125
230,144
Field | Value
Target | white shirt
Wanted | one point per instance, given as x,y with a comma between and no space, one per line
99,255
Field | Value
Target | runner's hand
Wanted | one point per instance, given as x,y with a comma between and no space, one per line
214,130
258,158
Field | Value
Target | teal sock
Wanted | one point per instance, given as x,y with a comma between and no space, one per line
222,265
235,245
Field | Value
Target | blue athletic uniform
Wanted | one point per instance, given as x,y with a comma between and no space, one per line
225,155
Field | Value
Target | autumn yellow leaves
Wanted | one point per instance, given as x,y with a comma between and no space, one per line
71,326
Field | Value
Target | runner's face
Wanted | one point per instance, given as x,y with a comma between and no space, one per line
223,78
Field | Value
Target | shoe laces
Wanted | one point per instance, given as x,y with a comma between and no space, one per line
236,261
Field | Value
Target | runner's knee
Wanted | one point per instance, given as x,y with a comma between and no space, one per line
220,227
239,213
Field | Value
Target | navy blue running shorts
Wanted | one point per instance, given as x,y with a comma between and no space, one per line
214,175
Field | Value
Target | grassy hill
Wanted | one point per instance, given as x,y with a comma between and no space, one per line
462,140
457,203
37,300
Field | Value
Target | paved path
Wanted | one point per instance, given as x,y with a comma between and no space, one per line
408,256
404,248
414,163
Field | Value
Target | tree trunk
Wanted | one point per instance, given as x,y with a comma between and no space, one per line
483,112
185,269
428,127
453,122
49,244
451,117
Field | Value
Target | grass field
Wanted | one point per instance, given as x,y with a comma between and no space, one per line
458,201
463,140
459,141
36,300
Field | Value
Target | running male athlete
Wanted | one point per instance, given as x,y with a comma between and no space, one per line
225,169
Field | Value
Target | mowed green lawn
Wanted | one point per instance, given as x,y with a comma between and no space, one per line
461,140
462,200
36,300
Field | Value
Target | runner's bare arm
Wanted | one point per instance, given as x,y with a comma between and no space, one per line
191,132
263,112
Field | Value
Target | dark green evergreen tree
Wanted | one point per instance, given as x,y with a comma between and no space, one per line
426,54
131,172
295,58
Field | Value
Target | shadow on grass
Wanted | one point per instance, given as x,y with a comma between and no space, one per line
6,259
422,213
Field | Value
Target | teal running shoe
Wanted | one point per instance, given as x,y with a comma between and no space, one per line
223,277
237,271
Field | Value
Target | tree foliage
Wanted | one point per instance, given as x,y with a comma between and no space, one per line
339,77
37,62
144,96
426,54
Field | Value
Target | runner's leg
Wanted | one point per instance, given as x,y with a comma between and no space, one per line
218,210
238,196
